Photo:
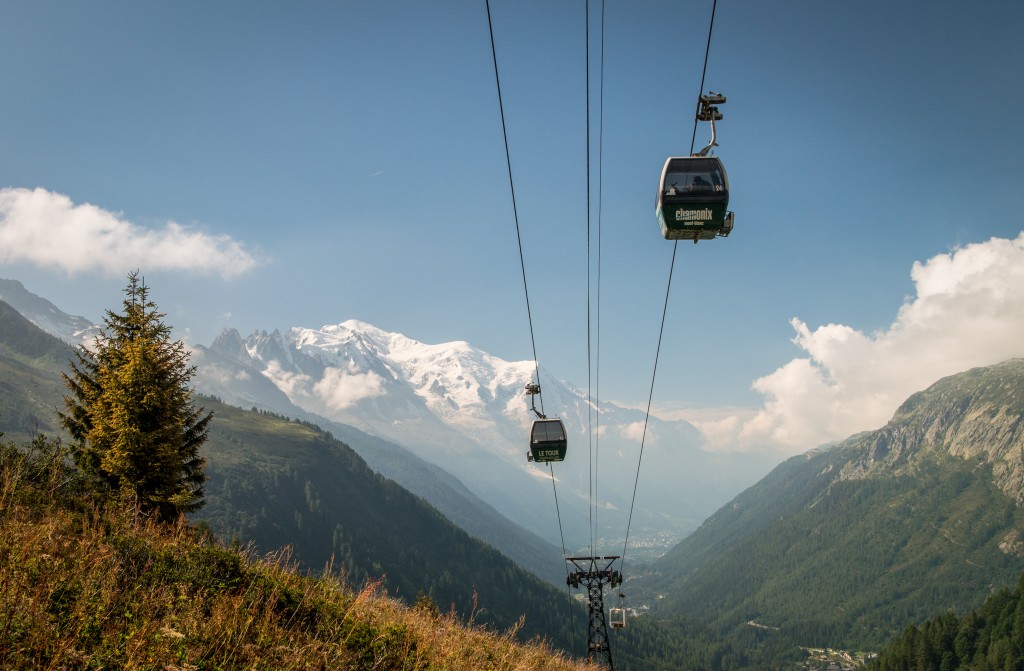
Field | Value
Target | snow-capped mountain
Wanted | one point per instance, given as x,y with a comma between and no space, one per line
466,411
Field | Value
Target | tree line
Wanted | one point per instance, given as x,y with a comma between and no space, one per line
990,638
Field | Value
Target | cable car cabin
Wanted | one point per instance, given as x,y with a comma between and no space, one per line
617,618
693,199
547,441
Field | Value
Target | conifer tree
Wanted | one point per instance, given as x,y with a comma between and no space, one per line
134,429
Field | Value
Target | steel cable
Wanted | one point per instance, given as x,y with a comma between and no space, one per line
664,311
522,265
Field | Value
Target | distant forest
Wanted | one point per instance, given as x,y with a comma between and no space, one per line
989,638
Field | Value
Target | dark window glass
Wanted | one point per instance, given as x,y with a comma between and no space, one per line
693,175
544,432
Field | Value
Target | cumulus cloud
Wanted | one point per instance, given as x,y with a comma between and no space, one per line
294,385
967,311
47,229
337,389
340,389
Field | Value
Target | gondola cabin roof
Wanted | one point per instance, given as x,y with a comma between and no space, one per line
548,440
693,198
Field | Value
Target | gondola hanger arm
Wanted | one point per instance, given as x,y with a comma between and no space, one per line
707,110
533,390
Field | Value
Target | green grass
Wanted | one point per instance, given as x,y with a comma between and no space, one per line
84,586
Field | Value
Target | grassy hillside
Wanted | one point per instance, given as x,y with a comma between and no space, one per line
87,587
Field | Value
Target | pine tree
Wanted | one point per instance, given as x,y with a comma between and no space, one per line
135,431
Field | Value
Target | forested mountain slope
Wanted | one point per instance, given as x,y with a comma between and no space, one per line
990,638
846,546
440,488
278,482
30,383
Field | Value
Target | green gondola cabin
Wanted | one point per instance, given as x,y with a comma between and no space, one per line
693,199
547,441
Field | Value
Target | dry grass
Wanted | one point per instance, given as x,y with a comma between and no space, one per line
83,587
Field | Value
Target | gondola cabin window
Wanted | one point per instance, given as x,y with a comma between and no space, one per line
693,175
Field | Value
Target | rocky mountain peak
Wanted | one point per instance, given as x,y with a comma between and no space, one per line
229,343
977,414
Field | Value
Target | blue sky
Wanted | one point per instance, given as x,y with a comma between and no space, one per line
327,161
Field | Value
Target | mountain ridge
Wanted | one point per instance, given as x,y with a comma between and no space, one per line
846,545
46,315
988,424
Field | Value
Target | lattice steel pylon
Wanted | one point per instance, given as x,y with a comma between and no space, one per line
594,573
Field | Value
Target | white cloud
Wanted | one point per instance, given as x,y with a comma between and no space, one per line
340,389
294,385
968,311
47,229
633,431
